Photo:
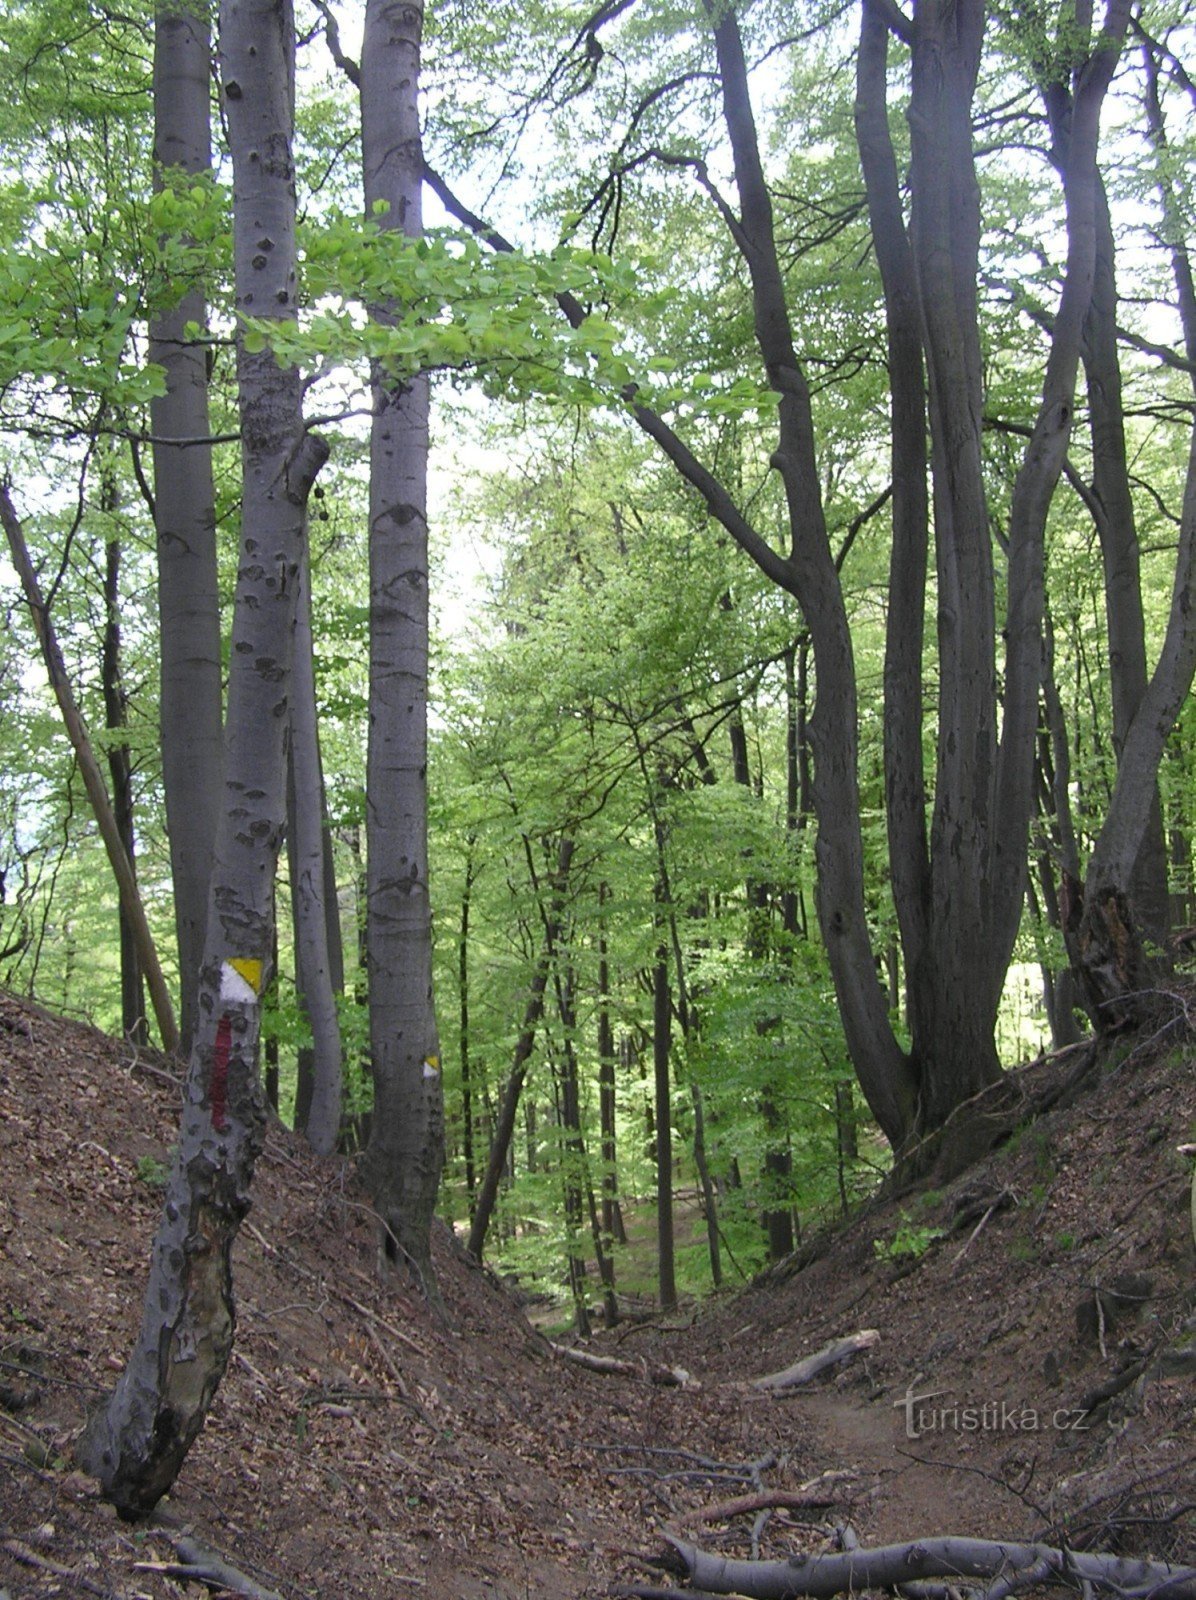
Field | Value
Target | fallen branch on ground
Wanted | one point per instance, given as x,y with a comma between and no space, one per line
766,1500
30,1558
655,1372
200,1563
810,1366
1006,1567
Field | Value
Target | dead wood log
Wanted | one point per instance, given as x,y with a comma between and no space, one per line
810,1366
765,1500
58,1569
1010,1566
653,1371
200,1563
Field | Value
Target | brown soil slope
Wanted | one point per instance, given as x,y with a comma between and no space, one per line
360,1447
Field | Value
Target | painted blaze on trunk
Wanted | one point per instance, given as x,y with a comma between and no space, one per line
137,1443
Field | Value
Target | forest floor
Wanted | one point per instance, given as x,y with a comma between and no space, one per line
361,1447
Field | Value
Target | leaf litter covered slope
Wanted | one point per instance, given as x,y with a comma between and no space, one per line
358,1446
361,1448
1044,1303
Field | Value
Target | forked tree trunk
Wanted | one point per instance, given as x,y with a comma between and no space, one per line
137,1442
184,515
961,881
405,1154
960,905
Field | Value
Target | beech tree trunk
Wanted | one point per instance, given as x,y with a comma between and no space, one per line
138,1440
318,964
1117,530
959,890
185,517
1112,965
959,880
405,1154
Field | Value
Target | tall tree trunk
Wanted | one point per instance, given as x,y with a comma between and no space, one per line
318,962
566,989
405,1154
662,1022
504,1128
184,514
136,1444
93,778
797,781
709,1198
606,1081
808,572
120,771
778,1163
1112,962
1054,765
1111,502
463,1035
1117,530
905,781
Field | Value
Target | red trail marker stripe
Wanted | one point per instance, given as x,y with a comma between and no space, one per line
218,1092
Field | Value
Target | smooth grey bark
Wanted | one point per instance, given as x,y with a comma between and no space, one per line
959,906
1111,960
1112,505
405,1154
1118,534
137,1441
887,1566
184,515
312,911
905,778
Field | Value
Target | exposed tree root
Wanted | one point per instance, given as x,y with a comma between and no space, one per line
1003,1569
